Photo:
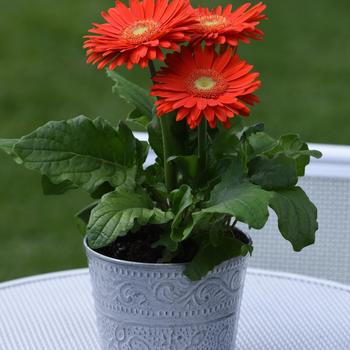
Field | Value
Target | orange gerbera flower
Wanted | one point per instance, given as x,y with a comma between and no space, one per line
135,35
199,82
220,26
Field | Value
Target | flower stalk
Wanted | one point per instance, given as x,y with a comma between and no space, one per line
202,144
169,174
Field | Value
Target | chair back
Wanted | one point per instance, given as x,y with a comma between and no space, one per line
327,183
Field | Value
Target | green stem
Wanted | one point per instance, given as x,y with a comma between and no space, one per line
202,144
169,173
168,166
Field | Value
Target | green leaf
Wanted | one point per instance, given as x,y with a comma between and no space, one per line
7,145
132,93
250,130
246,202
50,188
224,143
103,189
142,149
187,166
293,147
179,139
239,198
155,137
166,241
138,119
209,256
85,152
290,143
279,172
180,200
202,222
83,217
261,143
120,212
312,153
154,184
135,149
234,196
297,217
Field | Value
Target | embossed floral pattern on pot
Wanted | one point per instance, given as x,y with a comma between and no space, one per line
156,307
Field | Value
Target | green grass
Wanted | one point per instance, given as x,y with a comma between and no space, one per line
305,65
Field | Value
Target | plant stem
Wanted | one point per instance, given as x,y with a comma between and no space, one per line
168,166
202,144
169,174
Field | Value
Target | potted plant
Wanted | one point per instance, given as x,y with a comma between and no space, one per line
166,258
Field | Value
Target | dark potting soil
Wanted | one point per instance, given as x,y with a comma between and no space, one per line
137,247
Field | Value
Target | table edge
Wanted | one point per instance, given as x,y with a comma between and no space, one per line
251,272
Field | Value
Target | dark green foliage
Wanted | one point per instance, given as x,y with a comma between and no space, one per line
120,212
245,172
210,255
297,216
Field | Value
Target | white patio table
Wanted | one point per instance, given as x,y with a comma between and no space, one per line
280,312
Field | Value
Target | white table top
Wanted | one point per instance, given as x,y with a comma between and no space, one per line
279,312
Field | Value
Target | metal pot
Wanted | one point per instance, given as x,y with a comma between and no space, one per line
156,307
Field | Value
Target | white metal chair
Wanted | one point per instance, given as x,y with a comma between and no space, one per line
327,183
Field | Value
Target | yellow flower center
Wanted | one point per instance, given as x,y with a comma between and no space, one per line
212,23
140,31
204,83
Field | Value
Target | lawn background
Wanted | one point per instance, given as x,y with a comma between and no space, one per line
305,65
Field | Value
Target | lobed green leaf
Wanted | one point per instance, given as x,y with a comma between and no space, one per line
8,145
234,197
246,202
251,130
83,217
87,153
237,197
279,172
209,256
167,242
297,216
261,143
119,212
292,146
180,200
137,119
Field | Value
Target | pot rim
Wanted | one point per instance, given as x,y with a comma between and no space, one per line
100,256
127,262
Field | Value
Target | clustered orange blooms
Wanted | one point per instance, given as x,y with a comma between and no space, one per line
196,82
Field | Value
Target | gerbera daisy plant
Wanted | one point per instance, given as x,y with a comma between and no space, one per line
210,173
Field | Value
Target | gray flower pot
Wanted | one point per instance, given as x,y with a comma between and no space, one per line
155,307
